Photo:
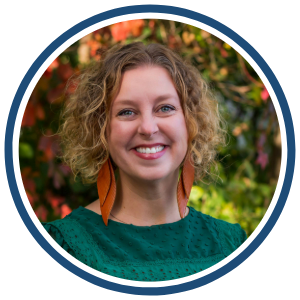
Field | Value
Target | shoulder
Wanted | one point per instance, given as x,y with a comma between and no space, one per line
64,230
58,231
231,236
95,207
75,233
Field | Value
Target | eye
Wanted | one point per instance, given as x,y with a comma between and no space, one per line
166,109
126,113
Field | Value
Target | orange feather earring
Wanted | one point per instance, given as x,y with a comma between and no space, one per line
106,185
185,185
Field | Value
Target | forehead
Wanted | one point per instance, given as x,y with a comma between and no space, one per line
147,82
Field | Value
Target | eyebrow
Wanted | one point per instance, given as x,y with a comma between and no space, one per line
158,99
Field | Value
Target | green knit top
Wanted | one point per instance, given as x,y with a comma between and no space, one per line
146,253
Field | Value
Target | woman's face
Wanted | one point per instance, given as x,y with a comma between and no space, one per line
147,134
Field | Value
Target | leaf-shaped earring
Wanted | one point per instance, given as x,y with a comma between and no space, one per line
106,185
185,185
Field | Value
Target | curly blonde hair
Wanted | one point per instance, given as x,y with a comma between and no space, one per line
86,113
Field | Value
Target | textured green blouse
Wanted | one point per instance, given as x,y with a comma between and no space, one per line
146,253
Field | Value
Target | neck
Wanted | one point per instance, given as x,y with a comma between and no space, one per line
146,203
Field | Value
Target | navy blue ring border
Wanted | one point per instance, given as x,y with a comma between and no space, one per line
289,134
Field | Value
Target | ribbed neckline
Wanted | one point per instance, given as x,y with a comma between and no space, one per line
115,223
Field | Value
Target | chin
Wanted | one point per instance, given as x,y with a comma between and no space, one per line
153,175
151,178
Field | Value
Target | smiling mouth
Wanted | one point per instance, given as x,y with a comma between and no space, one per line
150,150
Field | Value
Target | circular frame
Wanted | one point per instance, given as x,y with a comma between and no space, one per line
288,172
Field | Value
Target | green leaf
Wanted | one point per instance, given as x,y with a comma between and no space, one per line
196,193
25,150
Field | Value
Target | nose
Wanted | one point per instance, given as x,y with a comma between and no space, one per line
148,126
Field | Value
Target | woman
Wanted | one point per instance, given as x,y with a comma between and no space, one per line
146,115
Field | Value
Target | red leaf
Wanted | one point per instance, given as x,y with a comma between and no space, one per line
41,212
56,94
262,159
64,71
58,180
55,202
53,65
172,42
47,73
29,184
94,46
264,94
136,27
223,52
45,144
26,171
65,169
120,31
49,145
151,24
261,141
39,112
29,115
31,198
65,210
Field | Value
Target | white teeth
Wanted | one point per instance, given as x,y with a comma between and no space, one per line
150,150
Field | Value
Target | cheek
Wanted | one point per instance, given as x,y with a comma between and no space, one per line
177,130
120,134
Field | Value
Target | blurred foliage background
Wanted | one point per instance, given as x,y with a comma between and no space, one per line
248,167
